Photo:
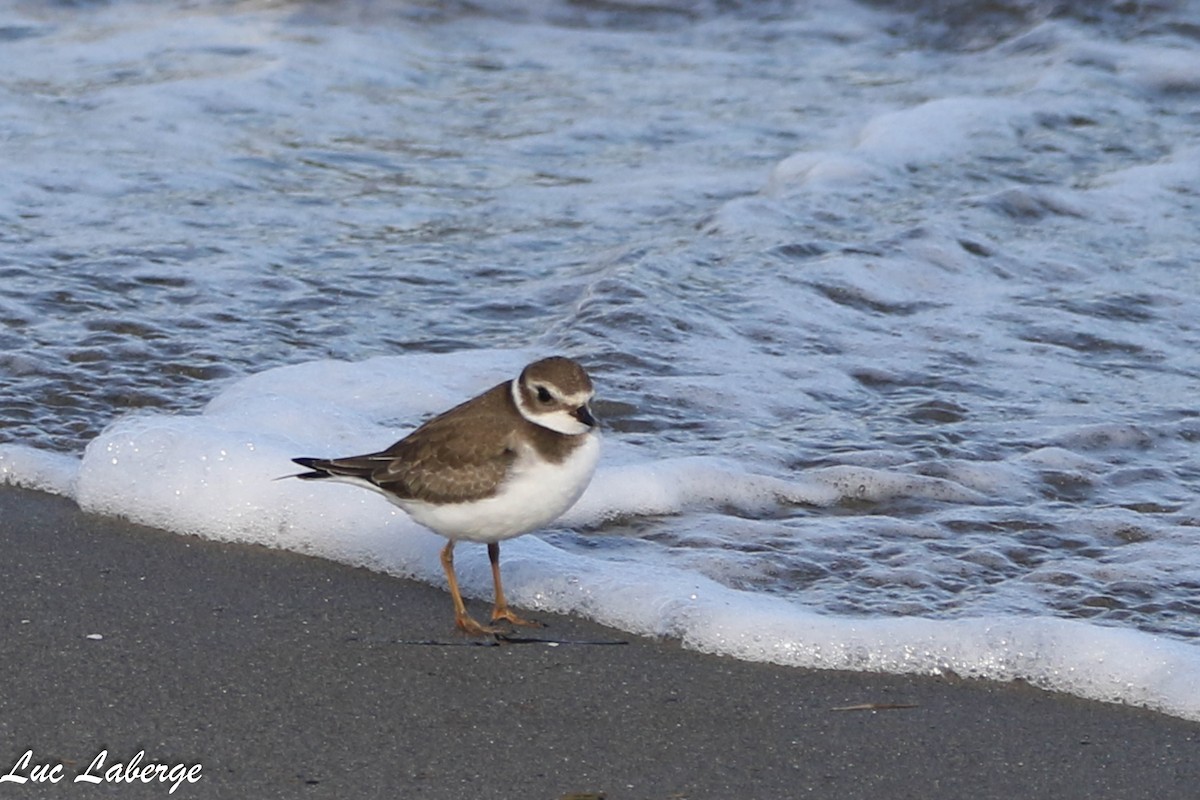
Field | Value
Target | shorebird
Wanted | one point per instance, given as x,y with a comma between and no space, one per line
502,464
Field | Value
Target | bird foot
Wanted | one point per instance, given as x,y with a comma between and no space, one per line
508,615
472,628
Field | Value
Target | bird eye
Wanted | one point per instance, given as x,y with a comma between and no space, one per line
543,395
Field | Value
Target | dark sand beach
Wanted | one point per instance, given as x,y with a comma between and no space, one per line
287,676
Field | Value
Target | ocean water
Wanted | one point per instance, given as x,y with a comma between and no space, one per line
892,307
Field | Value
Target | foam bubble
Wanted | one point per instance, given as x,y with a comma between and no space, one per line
30,468
672,486
862,483
939,129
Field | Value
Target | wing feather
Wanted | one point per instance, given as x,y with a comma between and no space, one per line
457,456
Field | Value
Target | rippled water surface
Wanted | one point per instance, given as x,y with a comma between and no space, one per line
957,252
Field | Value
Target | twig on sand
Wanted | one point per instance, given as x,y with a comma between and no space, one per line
876,707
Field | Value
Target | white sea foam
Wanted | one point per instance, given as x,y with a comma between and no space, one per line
217,475
31,468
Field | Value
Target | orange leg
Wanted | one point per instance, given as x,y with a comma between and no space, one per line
461,618
501,611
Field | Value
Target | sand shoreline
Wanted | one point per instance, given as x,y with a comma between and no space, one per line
284,676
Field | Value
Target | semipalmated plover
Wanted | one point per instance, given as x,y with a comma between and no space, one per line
502,464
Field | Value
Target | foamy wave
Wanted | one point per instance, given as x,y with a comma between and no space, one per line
218,475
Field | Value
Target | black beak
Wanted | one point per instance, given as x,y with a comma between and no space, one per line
584,415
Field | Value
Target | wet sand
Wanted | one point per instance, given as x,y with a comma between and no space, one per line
287,676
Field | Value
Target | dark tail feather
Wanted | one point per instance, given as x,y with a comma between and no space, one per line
355,467
317,465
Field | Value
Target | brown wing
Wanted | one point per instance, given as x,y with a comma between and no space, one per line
457,456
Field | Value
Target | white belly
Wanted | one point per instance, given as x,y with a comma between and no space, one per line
535,494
